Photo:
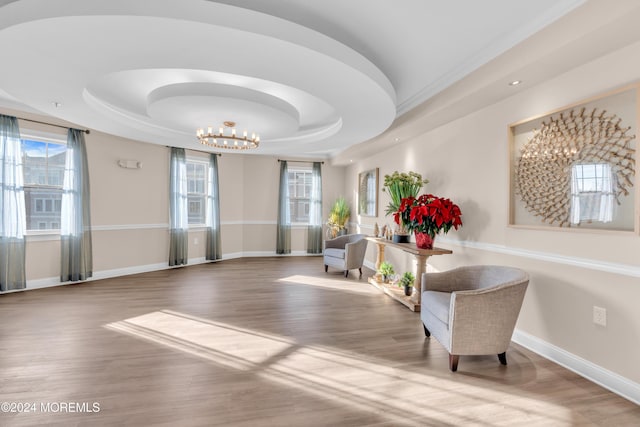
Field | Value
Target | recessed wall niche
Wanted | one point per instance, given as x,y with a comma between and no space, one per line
575,168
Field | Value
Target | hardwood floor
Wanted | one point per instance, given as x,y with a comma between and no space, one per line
264,342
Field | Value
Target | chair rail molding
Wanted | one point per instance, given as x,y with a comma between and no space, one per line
593,264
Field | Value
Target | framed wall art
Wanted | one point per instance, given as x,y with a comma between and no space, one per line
368,193
575,168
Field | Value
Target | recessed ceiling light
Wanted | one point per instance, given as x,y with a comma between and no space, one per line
396,139
515,83
351,161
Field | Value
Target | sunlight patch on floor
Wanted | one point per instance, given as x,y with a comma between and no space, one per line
346,378
344,285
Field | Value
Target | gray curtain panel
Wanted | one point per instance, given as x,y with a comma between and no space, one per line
178,206
283,241
75,222
12,211
314,231
214,247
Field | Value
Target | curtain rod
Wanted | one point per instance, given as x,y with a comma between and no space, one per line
198,151
298,161
87,131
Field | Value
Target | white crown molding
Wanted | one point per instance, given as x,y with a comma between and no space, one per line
483,56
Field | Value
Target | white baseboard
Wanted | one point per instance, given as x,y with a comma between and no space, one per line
49,282
610,380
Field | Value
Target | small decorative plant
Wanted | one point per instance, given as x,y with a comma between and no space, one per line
338,217
406,282
386,270
407,279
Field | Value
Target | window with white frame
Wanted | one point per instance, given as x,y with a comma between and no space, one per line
592,192
43,163
197,191
299,194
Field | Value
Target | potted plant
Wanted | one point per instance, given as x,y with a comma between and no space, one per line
407,281
426,216
338,217
400,186
386,270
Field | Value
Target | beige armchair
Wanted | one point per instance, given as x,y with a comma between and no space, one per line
473,310
345,252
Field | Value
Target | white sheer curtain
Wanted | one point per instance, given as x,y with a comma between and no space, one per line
12,211
283,239
314,231
178,208
592,193
214,249
75,216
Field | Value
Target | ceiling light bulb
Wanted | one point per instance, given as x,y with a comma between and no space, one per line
209,130
515,83
221,131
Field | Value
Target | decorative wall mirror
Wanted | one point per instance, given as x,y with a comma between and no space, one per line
368,193
576,167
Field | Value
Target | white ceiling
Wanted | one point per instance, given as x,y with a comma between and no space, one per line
313,78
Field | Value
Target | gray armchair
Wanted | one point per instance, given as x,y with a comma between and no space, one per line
345,252
473,310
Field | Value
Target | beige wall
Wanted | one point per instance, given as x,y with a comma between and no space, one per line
467,160
130,213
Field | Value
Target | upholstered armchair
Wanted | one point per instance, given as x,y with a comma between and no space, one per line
473,310
345,252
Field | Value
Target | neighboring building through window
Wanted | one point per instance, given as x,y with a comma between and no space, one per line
43,168
299,194
592,192
197,191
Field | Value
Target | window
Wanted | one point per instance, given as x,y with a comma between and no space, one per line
592,194
43,168
299,194
196,191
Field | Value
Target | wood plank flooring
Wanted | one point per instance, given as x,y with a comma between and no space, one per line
264,342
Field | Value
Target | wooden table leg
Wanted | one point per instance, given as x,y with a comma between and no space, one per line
421,267
380,256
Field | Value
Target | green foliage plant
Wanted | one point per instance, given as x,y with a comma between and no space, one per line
407,279
339,216
386,269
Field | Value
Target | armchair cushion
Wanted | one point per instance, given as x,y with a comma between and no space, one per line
334,252
438,303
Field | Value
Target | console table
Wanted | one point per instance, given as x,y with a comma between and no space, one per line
421,256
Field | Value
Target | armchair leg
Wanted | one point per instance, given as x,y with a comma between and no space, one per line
426,331
453,362
503,358
326,268
346,273
360,270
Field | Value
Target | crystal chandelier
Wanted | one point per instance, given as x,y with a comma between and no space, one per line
230,140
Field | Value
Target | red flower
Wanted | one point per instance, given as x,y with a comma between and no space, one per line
428,214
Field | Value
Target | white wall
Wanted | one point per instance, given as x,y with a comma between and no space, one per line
130,208
467,161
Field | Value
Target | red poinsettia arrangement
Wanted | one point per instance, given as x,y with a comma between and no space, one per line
428,214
